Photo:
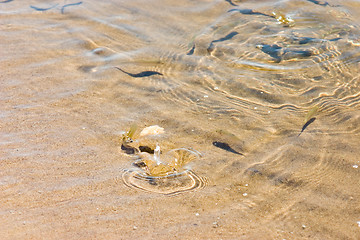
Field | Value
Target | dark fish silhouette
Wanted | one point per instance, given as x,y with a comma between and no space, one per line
225,147
6,1
323,3
231,3
279,53
273,51
128,149
68,5
43,9
250,12
311,120
141,74
191,51
305,40
146,149
227,37
319,3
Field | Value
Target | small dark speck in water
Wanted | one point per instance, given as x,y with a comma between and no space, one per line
141,74
68,5
225,147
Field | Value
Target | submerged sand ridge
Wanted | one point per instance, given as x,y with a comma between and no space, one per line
227,79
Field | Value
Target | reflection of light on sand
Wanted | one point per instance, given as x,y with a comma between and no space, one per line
358,222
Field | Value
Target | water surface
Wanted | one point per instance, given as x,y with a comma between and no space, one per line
229,79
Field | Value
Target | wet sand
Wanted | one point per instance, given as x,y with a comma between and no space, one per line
64,106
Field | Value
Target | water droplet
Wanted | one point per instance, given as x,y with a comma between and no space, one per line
355,166
245,194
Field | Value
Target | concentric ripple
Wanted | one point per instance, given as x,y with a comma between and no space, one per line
166,174
168,185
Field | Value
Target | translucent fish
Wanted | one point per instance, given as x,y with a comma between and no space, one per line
311,113
309,118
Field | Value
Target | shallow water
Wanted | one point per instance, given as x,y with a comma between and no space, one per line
225,78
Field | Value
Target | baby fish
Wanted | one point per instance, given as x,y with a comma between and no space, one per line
191,51
309,118
43,9
231,3
249,12
227,37
141,74
68,5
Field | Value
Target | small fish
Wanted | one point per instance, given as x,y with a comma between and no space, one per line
6,1
249,12
305,40
128,149
191,51
290,54
278,53
231,3
227,37
225,147
43,9
321,3
273,51
146,149
141,74
309,118
68,5
228,135
311,113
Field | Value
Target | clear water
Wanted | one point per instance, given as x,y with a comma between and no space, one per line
226,78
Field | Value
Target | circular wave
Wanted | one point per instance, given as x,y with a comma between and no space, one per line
168,185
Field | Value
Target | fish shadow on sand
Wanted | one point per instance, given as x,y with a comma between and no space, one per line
226,147
311,120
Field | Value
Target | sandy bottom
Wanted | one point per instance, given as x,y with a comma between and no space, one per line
63,108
